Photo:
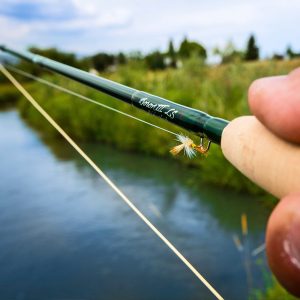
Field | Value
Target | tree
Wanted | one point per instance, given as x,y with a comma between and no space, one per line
291,54
55,54
135,56
252,51
155,60
189,48
229,53
172,54
277,56
171,50
86,63
52,53
102,61
121,58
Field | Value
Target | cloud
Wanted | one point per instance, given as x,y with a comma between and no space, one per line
93,25
29,10
12,31
51,22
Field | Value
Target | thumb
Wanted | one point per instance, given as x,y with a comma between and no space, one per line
283,243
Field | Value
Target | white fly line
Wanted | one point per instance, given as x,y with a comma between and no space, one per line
110,182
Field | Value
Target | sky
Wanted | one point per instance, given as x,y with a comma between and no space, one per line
90,26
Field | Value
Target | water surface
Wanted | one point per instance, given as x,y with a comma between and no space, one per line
64,234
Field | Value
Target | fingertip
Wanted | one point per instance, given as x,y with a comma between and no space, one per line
295,74
253,91
261,98
283,243
255,95
275,101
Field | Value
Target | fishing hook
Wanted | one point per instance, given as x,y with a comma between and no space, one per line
202,148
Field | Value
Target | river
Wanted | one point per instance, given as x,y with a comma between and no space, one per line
64,234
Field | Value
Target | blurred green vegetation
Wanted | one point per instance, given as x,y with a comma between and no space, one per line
218,90
274,291
8,94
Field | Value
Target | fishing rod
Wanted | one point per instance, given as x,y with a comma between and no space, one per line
260,155
190,119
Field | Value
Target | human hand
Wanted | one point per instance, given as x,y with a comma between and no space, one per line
275,101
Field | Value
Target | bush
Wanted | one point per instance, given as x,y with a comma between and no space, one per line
220,91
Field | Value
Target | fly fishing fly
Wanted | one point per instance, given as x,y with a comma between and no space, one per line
189,147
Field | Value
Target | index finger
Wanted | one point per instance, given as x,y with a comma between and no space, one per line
275,101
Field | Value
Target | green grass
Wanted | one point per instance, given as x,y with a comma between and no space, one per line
220,91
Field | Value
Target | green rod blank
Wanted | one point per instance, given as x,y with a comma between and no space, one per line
190,119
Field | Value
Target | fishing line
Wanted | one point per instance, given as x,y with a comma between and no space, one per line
258,250
186,144
82,97
109,182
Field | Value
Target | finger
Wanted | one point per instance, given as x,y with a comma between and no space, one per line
283,243
275,101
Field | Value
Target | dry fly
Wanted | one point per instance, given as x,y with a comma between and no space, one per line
189,146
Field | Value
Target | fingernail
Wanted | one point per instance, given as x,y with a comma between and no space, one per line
291,244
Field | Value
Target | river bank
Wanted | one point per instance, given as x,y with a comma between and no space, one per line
221,91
